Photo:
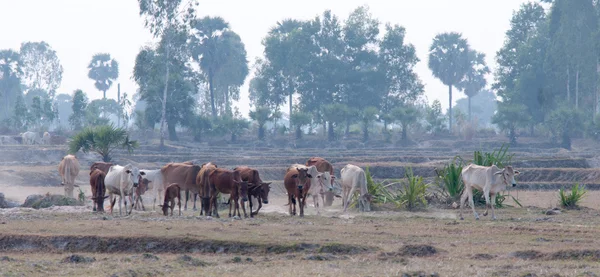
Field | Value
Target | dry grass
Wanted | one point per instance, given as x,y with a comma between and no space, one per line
462,248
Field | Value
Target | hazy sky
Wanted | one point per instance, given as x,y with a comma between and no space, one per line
77,29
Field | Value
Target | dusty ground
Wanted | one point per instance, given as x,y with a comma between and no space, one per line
522,241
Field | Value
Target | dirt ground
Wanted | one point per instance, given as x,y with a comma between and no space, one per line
380,243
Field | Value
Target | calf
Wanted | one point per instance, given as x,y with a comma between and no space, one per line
102,166
139,191
173,191
98,189
203,182
297,185
323,165
488,179
183,174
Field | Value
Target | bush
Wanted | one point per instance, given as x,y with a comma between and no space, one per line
572,200
450,181
413,191
379,192
500,157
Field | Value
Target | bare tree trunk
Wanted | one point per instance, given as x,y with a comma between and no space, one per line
228,107
469,108
450,109
596,110
291,107
163,118
577,89
212,94
568,86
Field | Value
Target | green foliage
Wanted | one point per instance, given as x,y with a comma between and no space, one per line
474,79
200,124
77,118
509,117
230,125
103,70
102,140
262,115
436,121
299,120
573,199
10,81
367,116
407,115
483,106
500,157
81,196
19,119
449,179
41,67
413,191
563,123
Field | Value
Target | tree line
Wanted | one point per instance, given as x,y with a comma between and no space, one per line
329,72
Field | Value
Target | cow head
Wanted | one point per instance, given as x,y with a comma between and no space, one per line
240,185
134,174
143,185
324,182
508,175
302,176
165,209
264,192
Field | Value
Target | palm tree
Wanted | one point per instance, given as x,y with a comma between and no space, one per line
262,115
102,140
103,70
407,115
474,81
449,62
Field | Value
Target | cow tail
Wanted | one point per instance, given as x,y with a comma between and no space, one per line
67,172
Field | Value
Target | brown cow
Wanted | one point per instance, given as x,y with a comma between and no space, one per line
187,191
323,165
173,191
297,185
256,187
228,182
183,174
68,170
102,166
139,191
98,189
203,182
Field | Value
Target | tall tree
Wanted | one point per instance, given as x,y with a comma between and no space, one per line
103,70
449,62
398,61
221,56
41,67
163,18
474,80
80,102
10,83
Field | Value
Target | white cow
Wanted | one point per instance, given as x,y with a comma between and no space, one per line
120,180
353,179
488,179
30,138
320,183
156,181
46,138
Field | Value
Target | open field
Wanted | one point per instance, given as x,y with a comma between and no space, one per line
386,242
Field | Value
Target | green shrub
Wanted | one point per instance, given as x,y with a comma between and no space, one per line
500,157
450,181
572,200
379,192
413,191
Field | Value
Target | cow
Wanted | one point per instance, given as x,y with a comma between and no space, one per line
120,180
488,179
297,184
183,174
227,182
8,140
68,169
97,177
30,138
173,191
139,191
320,183
324,166
46,138
256,187
187,191
353,179
18,139
155,178
104,167
203,182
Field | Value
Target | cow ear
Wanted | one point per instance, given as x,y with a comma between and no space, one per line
499,172
319,176
128,171
142,173
517,172
308,175
295,176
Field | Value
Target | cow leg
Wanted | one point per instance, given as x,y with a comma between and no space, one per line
301,203
316,200
195,196
187,196
250,204
463,200
486,194
178,204
142,203
237,208
493,198
470,193
231,206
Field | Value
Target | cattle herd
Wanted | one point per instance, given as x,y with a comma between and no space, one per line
31,138
242,184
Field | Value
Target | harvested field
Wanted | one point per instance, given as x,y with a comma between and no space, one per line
72,240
